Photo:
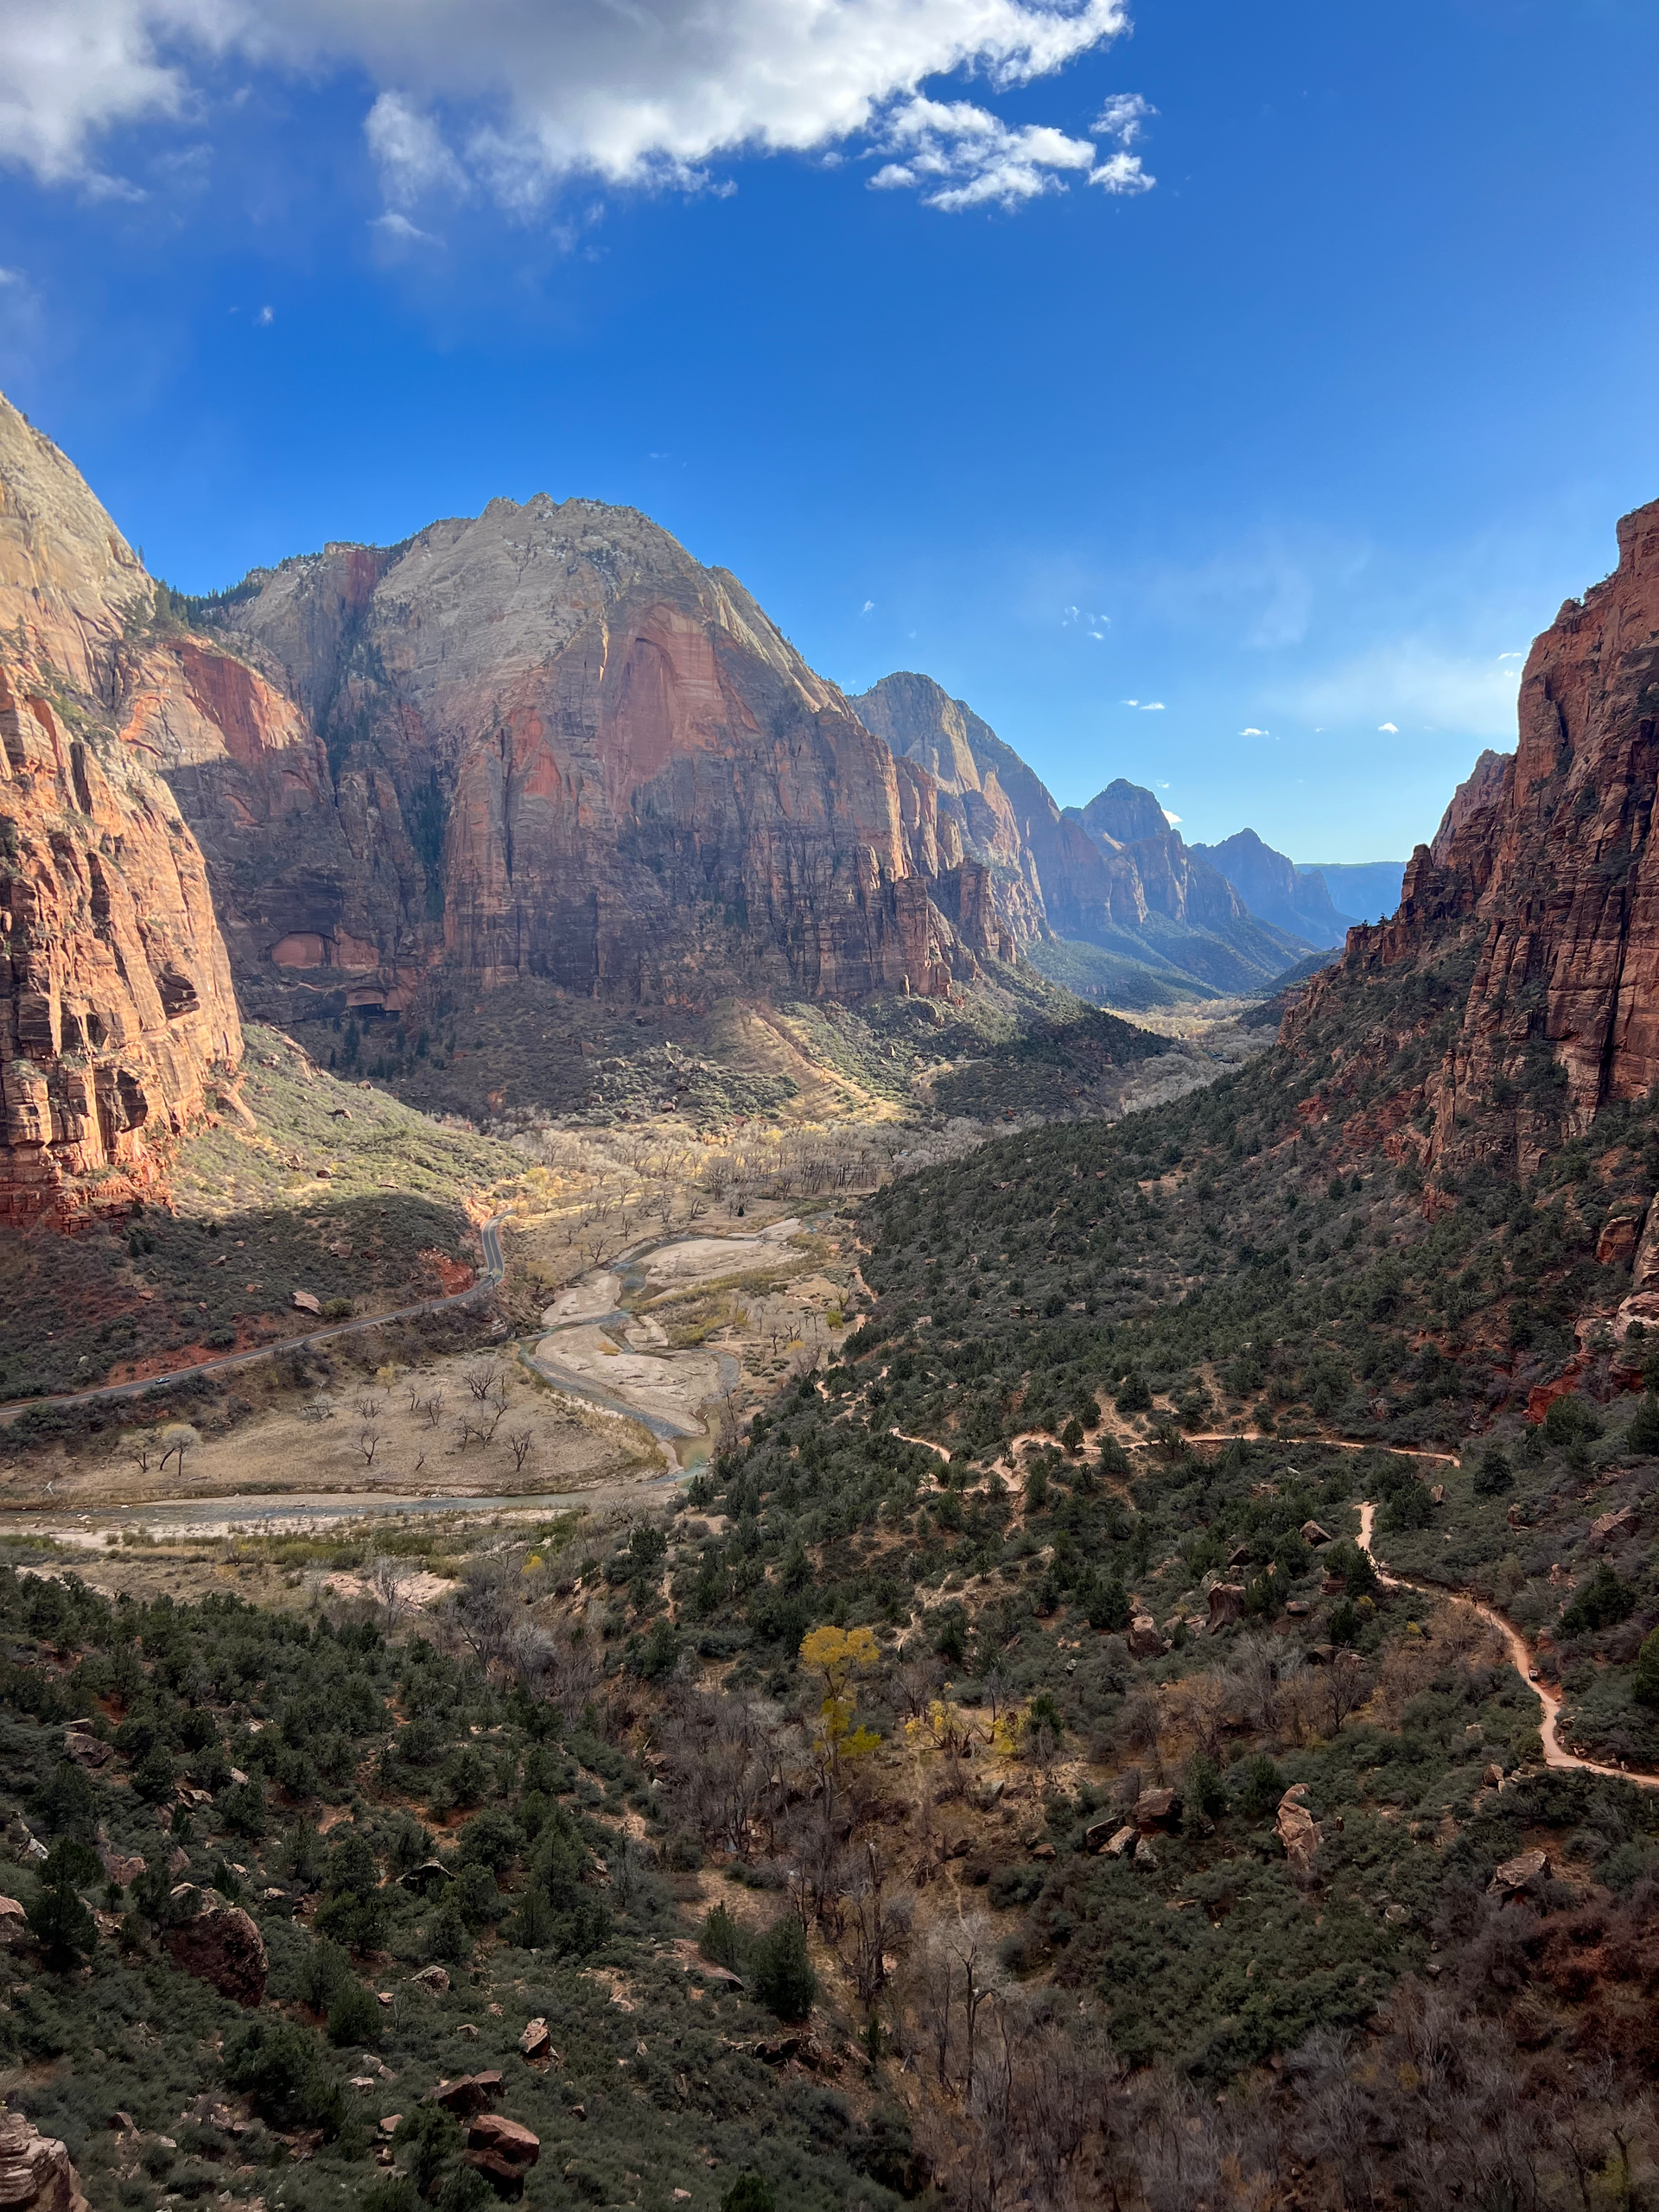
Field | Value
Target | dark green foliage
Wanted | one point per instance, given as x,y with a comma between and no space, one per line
355,2015
1134,1394
1643,1434
748,2193
493,1838
1602,1602
428,2140
1109,1605
782,1971
278,2064
722,1940
1494,1476
58,1919
1645,1682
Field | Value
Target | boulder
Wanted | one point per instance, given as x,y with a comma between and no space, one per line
1522,1876
1297,1830
1437,1495
1313,1534
433,1979
14,1921
1297,1609
118,1867
308,1301
1156,1808
1145,1856
1144,1642
1239,1556
536,2042
1121,1841
86,1750
1226,1603
1493,1777
470,2094
502,2150
221,1946
1614,1527
36,2172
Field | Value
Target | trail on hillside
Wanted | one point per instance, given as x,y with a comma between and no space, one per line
1520,1656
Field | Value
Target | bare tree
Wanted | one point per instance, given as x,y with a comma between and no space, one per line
367,1407
519,1442
432,1408
386,1579
138,1451
369,1440
483,1378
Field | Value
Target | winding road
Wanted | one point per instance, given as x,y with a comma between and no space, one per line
1521,1657
494,1269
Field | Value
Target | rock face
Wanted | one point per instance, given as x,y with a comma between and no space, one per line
221,1945
117,1015
1276,891
1297,1831
36,2174
1535,909
561,747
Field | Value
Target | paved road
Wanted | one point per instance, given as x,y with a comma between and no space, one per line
1521,1656
494,1269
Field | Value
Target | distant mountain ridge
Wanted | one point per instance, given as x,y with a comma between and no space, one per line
1369,890
1273,887
1139,918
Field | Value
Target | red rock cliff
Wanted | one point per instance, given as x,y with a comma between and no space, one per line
116,1011
1533,920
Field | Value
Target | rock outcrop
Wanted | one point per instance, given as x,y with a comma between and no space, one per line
222,1945
1532,920
118,1017
36,2173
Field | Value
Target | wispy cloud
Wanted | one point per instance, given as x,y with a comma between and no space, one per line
959,156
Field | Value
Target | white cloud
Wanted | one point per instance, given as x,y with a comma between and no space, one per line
1122,116
868,607
518,95
1511,656
410,151
1387,729
1173,820
1128,703
1152,706
265,315
1253,733
1095,625
959,156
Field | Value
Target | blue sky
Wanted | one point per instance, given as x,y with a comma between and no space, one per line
1238,472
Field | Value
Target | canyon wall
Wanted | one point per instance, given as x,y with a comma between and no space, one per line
1532,920
118,1017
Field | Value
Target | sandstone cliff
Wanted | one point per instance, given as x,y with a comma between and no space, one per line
561,747
1524,957
116,1011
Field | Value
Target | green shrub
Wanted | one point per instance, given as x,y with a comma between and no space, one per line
1643,1432
1494,1476
1645,1682
748,2193
1134,1394
782,1971
722,1940
355,2016
1602,1602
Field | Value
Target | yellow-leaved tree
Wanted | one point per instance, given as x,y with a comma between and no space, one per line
838,1656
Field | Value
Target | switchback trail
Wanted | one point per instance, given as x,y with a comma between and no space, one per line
1521,1657
494,1269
